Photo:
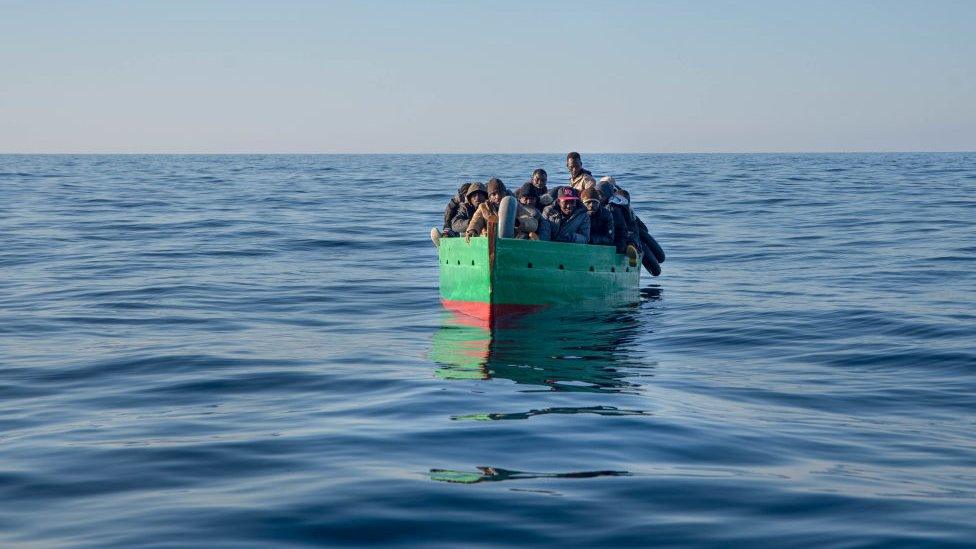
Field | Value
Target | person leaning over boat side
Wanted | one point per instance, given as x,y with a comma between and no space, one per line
567,221
579,178
642,236
475,195
452,207
624,228
487,211
529,223
601,220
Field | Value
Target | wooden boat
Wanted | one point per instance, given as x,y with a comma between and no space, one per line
492,277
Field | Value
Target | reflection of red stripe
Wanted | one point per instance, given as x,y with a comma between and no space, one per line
485,312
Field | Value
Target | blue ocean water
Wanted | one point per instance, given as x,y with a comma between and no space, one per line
232,351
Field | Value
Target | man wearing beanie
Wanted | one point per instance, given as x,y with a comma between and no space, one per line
568,221
601,220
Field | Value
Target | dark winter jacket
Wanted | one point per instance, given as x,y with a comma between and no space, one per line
452,207
575,228
462,218
625,228
601,227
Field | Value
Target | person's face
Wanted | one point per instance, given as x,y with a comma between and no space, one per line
539,180
495,197
477,198
567,206
591,205
527,200
573,165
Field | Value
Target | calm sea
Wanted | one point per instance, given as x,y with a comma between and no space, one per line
234,351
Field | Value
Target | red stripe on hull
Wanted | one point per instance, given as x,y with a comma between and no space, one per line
481,314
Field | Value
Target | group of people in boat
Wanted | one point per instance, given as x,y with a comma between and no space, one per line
585,211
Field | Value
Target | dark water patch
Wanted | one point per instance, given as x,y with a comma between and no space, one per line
251,382
157,365
952,259
242,253
923,359
317,243
257,233
146,321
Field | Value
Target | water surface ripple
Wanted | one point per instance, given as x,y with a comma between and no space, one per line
249,351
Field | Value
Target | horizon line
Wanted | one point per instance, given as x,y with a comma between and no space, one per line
958,151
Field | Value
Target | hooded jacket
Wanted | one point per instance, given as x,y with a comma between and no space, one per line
574,228
466,210
487,212
463,217
452,207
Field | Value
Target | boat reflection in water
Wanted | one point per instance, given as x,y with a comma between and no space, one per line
545,351
558,350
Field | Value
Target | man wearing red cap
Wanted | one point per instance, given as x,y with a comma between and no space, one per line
568,222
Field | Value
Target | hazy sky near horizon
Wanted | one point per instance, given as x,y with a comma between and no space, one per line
545,76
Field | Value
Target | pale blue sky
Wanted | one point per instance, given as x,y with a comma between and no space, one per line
310,77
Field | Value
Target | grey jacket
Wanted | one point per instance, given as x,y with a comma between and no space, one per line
575,228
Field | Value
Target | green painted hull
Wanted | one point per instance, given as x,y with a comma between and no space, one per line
488,277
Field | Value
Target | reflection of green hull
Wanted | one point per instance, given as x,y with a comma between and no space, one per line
571,352
490,276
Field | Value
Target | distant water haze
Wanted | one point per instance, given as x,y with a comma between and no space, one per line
314,77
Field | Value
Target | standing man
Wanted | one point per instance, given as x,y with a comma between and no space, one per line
579,178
